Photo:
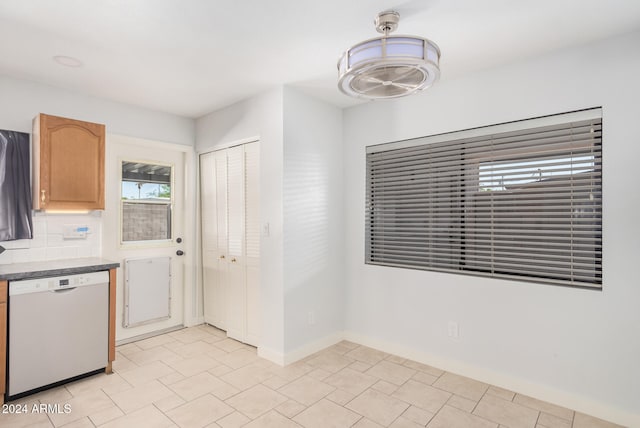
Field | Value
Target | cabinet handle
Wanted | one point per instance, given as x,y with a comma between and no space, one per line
42,197
233,260
222,257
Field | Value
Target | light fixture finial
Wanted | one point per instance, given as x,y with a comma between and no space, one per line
387,22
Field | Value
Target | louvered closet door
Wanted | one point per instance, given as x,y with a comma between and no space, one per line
230,193
209,230
221,278
213,200
252,237
236,280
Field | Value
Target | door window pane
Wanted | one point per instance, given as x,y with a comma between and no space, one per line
146,200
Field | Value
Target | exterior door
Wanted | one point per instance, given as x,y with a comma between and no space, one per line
144,220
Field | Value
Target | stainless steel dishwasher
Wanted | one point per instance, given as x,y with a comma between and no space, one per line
58,330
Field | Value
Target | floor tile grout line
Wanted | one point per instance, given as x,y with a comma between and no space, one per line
478,402
166,415
115,405
49,417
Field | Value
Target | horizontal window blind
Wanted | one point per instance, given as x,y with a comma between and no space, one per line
523,203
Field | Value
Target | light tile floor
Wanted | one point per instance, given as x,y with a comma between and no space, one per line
197,377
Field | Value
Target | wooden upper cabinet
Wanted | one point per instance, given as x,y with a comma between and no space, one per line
68,171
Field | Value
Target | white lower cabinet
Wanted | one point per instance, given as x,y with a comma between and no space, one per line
230,204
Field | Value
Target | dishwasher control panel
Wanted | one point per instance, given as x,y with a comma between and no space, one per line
54,283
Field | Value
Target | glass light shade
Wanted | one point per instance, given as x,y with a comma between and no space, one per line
388,67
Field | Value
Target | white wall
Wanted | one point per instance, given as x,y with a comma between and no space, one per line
259,118
313,224
579,348
21,102
302,201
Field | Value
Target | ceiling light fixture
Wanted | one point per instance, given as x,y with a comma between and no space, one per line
388,66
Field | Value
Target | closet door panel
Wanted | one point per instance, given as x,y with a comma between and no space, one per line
213,191
236,284
222,232
235,208
221,212
208,203
236,302
208,227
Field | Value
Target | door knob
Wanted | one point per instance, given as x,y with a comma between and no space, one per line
180,253
178,240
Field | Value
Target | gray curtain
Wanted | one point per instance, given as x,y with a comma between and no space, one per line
15,186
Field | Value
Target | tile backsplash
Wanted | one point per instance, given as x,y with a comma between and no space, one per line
51,240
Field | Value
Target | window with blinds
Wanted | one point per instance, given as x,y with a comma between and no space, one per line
521,200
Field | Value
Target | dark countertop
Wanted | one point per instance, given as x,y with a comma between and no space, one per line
17,271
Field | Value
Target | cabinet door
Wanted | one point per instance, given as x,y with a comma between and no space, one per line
69,157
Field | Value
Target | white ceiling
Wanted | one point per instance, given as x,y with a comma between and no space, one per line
191,57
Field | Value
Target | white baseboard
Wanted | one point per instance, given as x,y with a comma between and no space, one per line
547,393
271,355
301,352
192,322
313,347
148,335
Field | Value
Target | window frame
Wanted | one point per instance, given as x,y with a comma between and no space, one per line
150,243
386,208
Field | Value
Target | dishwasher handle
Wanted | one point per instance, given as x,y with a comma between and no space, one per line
64,290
